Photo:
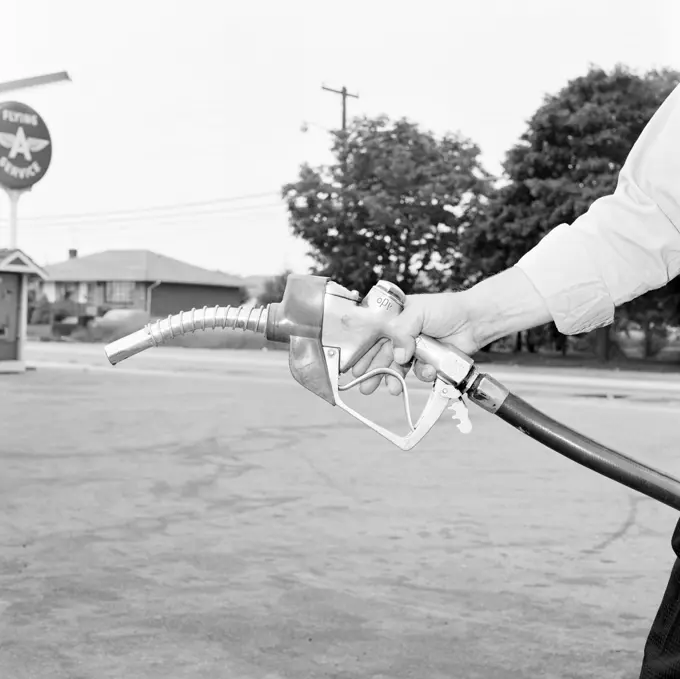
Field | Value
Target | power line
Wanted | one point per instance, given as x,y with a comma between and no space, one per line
116,219
142,222
209,220
146,210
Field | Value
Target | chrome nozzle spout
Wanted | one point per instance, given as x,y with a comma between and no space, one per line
159,332
128,346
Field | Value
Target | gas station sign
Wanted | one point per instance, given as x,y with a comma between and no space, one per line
25,146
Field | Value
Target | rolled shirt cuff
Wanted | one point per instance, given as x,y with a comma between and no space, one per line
565,275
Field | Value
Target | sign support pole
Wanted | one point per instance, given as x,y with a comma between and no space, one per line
13,195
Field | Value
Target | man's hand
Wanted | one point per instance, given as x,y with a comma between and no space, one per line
497,307
443,316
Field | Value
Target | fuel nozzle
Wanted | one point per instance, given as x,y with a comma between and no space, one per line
160,331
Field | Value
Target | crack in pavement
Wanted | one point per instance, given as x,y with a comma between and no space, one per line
627,524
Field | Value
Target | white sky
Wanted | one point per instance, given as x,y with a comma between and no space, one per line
176,102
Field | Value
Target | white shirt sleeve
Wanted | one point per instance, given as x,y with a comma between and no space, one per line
626,244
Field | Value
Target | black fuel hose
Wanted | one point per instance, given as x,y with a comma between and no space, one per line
589,453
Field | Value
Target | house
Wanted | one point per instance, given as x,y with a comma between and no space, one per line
138,279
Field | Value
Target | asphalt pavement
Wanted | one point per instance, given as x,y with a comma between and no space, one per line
194,514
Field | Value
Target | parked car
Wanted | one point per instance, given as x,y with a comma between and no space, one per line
117,323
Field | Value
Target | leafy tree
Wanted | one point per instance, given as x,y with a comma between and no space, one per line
41,310
654,312
570,155
274,288
392,205
244,295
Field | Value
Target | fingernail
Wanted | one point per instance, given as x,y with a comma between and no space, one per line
400,355
429,372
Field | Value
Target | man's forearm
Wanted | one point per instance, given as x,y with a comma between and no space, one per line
516,305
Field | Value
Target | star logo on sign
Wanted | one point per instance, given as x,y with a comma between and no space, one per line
19,143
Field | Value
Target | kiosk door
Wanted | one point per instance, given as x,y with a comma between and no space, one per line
9,316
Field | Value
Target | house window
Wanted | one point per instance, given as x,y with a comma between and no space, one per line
120,292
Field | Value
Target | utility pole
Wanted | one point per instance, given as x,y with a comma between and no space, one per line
344,94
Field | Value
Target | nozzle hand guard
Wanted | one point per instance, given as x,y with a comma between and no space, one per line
441,396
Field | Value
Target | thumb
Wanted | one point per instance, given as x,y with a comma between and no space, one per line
404,329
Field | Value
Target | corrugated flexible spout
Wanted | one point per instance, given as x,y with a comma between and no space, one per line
159,332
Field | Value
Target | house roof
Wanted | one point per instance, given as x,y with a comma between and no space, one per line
15,261
136,265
